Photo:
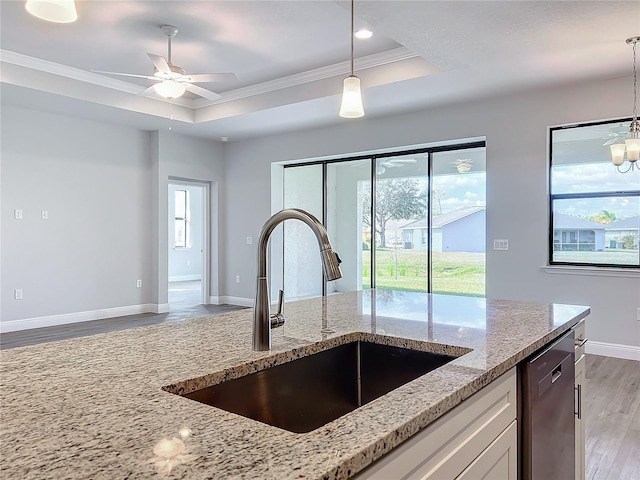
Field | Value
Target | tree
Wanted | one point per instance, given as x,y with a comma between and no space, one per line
396,199
604,217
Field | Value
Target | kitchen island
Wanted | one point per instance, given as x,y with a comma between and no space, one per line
95,407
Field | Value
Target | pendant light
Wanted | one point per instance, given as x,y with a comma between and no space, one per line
57,11
351,96
631,145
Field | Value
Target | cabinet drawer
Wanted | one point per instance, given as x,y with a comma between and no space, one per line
451,443
499,461
580,339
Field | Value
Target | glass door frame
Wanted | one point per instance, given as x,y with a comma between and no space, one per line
373,180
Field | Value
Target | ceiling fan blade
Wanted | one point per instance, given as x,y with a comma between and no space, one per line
147,91
126,74
210,77
160,63
203,92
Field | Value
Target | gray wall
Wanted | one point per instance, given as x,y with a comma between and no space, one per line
516,129
93,179
106,190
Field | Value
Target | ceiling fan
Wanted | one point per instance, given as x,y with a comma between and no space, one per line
172,81
397,162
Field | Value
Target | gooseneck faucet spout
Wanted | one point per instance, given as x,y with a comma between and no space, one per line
261,310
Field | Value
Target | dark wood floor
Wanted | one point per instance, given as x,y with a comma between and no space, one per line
184,302
612,401
612,390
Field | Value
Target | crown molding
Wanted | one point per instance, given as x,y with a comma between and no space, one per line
14,58
370,61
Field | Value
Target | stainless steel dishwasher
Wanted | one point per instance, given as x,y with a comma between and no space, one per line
547,430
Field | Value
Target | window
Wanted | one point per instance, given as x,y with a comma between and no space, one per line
182,219
594,208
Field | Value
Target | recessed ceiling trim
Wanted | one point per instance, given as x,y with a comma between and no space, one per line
14,58
370,61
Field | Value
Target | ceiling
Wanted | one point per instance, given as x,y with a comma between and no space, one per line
291,57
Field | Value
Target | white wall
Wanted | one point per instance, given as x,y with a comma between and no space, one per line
516,128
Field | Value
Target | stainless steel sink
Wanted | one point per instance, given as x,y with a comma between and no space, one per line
309,392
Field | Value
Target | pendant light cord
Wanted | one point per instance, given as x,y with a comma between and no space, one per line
635,83
353,28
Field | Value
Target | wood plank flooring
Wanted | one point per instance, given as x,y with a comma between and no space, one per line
184,302
612,390
612,401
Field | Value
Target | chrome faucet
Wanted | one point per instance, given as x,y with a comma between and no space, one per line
262,320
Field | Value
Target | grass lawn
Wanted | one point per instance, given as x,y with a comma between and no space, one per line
453,272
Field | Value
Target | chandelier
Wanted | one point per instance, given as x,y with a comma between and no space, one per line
631,145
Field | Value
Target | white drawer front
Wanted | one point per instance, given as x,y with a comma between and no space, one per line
447,446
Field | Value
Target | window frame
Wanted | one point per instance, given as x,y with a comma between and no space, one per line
185,219
581,195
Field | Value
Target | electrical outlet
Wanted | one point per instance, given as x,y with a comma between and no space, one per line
188,262
17,294
501,244
237,278
44,215
139,283
17,214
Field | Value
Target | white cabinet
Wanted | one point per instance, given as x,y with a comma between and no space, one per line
477,439
498,460
579,406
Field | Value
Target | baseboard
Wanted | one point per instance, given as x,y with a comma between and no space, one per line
63,319
615,350
241,301
185,278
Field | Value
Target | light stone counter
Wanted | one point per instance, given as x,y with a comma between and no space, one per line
94,408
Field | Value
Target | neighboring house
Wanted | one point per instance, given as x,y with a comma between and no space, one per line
577,234
617,233
460,230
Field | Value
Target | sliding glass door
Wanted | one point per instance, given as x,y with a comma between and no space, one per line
400,222
458,222
412,221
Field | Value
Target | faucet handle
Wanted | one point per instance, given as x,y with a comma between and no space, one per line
277,319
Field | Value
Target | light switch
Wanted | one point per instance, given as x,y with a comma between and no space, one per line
501,244
249,240
17,294
45,215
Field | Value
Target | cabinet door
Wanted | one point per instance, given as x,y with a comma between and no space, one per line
498,461
580,381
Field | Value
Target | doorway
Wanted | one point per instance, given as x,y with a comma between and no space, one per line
187,244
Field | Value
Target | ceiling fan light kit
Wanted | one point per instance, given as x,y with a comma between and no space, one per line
169,89
351,95
56,11
631,145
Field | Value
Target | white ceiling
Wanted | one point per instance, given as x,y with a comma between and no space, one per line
291,57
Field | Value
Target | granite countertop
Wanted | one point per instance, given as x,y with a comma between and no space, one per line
94,407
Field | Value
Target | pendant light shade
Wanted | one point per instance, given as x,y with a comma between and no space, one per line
169,89
351,98
57,11
631,145
351,95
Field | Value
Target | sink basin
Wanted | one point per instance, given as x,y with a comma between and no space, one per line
306,393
